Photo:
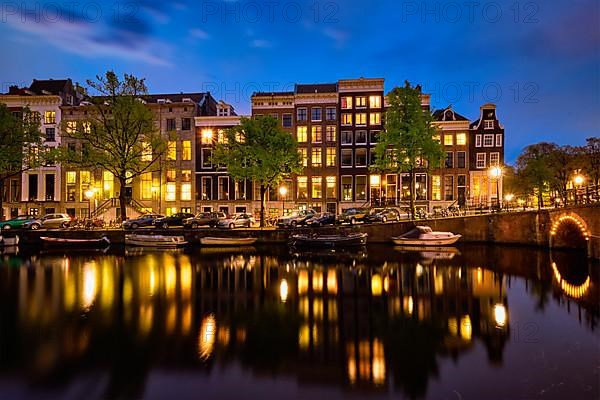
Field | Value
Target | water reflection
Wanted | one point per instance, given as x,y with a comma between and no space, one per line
385,321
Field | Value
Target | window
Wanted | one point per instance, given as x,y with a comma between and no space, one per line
488,124
448,139
330,187
361,119
146,186
330,114
346,157
346,103
71,127
461,139
207,136
488,140
436,187
361,187
186,185
361,102
50,134
146,152
375,119
206,158
171,126
477,140
346,119
172,150
374,136
374,101
71,177
87,127
346,137
315,114
347,188
221,136
449,159
317,157
360,137
286,120
186,124
317,187
421,186
109,184
330,133
462,189
448,187
302,187
223,188
301,114
302,134
206,188
461,157
186,150
84,183
171,194
50,117
480,160
331,156
498,140
360,157
494,159
303,154
240,189
317,134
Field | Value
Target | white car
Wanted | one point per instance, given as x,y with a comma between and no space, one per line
237,221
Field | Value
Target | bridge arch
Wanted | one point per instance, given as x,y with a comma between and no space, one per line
569,230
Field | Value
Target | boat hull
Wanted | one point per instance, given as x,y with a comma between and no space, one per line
446,241
329,241
65,242
161,242
221,241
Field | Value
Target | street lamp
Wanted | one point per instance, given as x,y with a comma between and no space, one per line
89,194
509,198
578,181
496,172
283,191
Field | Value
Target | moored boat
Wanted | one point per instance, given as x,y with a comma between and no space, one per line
349,240
227,241
425,236
9,241
156,241
71,242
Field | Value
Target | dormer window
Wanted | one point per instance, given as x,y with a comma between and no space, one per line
488,124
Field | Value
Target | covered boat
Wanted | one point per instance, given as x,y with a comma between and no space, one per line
425,236
156,241
315,240
227,241
70,242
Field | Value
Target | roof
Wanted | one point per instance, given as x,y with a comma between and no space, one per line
474,124
174,97
448,114
316,88
272,94
52,86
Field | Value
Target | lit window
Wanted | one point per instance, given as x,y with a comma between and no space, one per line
331,156
346,119
436,187
186,150
461,139
303,154
87,127
317,135
317,187
172,150
330,188
488,140
330,133
146,152
302,187
347,188
317,157
302,134
207,136
375,119
499,140
448,139
71,177
171,185
346,102
375,101
361,119
146,185
488,125
480,160
361,187
221,136
71,127
361,101
50,117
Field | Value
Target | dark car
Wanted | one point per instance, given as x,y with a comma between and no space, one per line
321,219
172,220
16,222
353,215
143,220
294,218
204,219
383,215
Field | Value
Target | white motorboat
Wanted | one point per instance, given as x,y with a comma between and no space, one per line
425,236
227,241
156,241
9,241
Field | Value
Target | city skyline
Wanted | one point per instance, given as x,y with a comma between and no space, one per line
545,63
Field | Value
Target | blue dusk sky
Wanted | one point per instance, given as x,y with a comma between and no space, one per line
539,61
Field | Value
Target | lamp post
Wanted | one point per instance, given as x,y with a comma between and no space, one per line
496,172
89,194
283,192
578,181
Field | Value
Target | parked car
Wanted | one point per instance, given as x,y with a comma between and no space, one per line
353,215
204,218
143,220
49,221
321,219
383,215
237,221
172,220
296,217
17,222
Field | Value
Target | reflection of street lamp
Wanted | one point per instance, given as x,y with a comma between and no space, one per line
283,192
500,315
496,172
89,194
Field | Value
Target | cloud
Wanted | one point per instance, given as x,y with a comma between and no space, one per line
338,36
197,33
260,44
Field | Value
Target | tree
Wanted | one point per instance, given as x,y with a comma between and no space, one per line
21,145
563,161
591,152
259,150
407,143
119,134
533,165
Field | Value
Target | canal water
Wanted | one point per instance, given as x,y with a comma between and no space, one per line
478,322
